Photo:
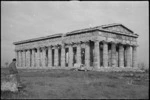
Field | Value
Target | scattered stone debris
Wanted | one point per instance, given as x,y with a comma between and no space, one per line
79,67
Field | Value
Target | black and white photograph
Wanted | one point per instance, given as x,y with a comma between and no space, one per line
74,49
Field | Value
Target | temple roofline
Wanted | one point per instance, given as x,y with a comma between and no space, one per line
98,28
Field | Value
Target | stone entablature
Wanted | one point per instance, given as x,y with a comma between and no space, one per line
90,46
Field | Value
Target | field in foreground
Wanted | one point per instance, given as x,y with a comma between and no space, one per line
67,84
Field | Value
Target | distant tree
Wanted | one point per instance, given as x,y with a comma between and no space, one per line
142,66
6,63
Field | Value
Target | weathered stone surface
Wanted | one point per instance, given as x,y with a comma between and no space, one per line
19,58
128,56
119,28
24,60
113,34
117,58
38,58
63,56
49,56
32,59
134,56
113,55
121,56
96,55
56,57
87,55
70,56
105,54
79,54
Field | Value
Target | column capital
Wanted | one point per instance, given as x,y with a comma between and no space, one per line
104,42
50,46
38,47
120,44
56,46
112,42
96,40
87,42
24,50
63,45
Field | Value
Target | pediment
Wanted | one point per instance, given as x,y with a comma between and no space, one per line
118,28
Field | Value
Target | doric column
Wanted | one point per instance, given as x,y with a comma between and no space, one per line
125,56
121,55
70,56
117,58
87,54
96,54
63,55
109,57
32,58
44,57
24,56
128,56
38,57
105,54
56,56
134,56
29,53
41,57
49,56
21,58
79,53
27,58
25,51
113,48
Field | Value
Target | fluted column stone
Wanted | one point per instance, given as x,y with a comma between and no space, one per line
28,58
41,57
32,64
79,53
70,56
24,58
21,58
38,58
105,54
109,57
134,56
96,54
44,57
113,47
117,58
63,56
128,56
121,56
56,56
87,54
49,56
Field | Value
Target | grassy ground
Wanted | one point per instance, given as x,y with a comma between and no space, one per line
67,84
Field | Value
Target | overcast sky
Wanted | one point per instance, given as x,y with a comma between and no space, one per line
21,20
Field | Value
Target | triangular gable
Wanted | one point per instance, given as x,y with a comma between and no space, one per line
118,28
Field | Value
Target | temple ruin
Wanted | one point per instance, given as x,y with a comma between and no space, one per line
106,47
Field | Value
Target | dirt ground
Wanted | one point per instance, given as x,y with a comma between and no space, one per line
67,84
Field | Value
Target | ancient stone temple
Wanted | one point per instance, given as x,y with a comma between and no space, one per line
106,47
